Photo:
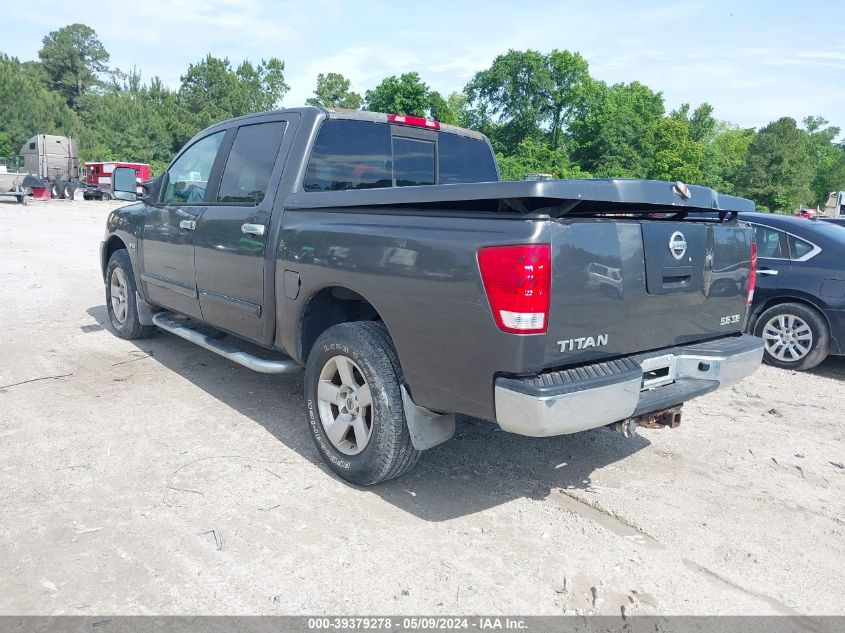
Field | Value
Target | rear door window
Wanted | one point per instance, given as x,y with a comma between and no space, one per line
350,155
465,159
413,162
770,243
250,163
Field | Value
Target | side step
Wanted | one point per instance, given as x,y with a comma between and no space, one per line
168,322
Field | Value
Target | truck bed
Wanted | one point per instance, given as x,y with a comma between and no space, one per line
616,289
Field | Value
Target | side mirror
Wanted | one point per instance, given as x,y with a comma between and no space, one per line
124,184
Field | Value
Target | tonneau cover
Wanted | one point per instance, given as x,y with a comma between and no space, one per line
552,197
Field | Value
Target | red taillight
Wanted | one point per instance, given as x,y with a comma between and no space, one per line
416,121
517,280
752,274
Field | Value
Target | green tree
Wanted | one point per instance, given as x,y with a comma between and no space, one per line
439,110
212,91
830,176
676,156
725,156
510,99
532,157
73,60
458,110
826,156
569,78
28,107
406,94
333,92
6,150
614,136
701,124
126,122
778,171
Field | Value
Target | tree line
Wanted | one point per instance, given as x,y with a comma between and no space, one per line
543,113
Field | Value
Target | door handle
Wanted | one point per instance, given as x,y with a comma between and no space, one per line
766,271
252,229
188,225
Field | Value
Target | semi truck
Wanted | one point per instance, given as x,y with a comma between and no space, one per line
53,162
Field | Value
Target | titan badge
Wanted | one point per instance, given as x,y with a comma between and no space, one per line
575,344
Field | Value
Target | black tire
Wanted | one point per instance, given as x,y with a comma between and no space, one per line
67,191
130,327
819,344
54,191
388,452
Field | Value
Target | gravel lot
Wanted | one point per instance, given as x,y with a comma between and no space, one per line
158,478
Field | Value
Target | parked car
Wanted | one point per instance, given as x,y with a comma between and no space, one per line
799,299
381,252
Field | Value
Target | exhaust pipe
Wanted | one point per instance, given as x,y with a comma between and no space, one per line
670,418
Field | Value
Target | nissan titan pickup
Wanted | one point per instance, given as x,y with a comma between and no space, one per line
382,254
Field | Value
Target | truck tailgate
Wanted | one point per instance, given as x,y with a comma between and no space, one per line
623,286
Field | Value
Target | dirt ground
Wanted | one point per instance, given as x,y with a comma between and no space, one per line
158,478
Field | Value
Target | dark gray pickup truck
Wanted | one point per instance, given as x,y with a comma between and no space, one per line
382,253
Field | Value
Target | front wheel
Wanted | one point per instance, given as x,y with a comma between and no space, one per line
354,404
795,336
120,298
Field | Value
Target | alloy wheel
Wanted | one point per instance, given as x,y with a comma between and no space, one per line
787,338
119,295
345,406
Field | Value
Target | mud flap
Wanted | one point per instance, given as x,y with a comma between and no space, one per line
427,429
145,310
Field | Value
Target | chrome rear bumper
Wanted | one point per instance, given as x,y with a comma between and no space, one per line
568,401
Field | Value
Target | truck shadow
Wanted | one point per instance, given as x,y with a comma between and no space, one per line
480,468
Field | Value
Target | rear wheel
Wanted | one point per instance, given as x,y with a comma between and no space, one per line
120,298
54,190
795,336
354,404
67,191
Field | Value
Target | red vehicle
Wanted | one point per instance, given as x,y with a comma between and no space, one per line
98,176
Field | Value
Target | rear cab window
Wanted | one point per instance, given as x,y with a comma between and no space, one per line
351,154
465,159
413,161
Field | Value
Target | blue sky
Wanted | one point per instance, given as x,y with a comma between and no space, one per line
754,61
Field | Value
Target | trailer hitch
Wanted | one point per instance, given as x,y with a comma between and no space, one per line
670,417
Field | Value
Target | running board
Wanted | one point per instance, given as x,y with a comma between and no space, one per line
167,322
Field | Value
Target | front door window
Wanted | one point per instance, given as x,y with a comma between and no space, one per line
187,178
